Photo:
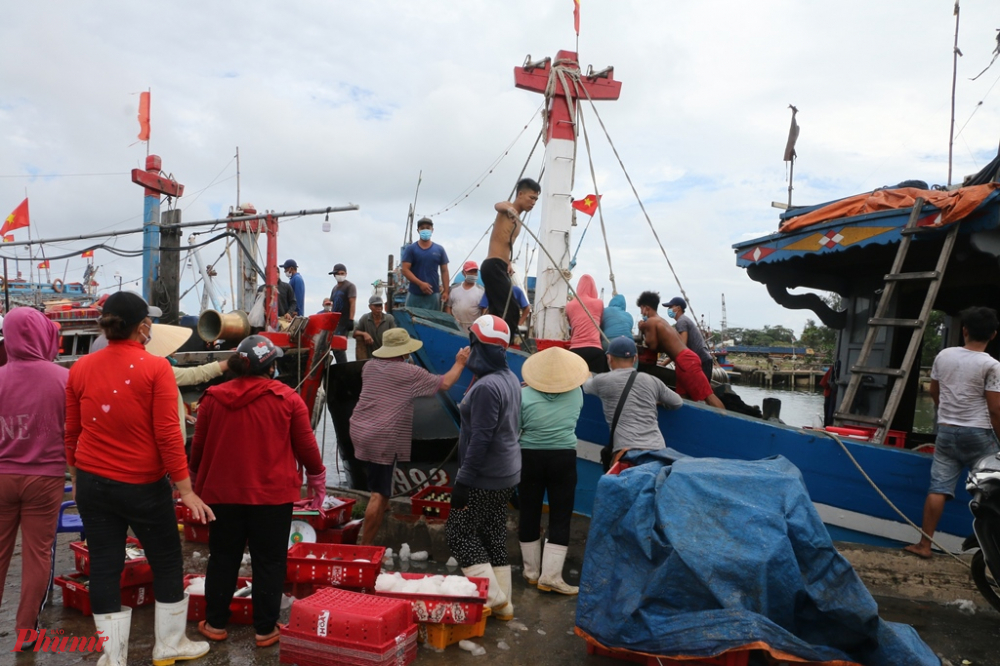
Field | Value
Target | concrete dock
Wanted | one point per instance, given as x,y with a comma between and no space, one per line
907,589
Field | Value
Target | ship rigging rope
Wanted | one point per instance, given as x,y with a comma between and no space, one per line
887,500
600,208
641,205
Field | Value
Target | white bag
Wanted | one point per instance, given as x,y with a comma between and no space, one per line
256,314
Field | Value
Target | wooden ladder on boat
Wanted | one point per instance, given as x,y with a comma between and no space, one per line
916,327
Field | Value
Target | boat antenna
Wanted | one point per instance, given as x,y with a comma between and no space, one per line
413,208
237,176
954,80
790,154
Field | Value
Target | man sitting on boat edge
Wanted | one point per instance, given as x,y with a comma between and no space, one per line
661,338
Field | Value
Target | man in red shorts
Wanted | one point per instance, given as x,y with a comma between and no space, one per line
661,338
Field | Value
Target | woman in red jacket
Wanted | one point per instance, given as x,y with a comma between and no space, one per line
122,440
252,435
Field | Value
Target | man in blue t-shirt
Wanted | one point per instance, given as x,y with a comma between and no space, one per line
297,284
420,266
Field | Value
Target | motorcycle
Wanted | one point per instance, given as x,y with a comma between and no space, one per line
984,486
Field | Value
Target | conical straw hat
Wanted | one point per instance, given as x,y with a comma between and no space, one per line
555,370
167,339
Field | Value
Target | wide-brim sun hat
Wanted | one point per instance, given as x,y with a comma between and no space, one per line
555,370
167,339
396,342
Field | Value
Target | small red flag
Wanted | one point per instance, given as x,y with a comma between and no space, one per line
88,253
17,219
576,16
144,116
588,204
44,264
9,238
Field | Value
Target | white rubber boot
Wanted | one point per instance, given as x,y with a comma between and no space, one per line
496,598
505,612
531,554
551,579
172,643
116,628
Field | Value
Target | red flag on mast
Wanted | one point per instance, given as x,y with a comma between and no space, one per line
44,264
88,253
17,219
576,16
9,238
587,205
144,116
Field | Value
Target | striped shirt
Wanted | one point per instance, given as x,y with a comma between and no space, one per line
382,424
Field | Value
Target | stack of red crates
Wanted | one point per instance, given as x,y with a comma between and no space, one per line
334,627
241,607
446,620
136,581
335,525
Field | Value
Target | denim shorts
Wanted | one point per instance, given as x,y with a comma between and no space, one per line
424,301
955,450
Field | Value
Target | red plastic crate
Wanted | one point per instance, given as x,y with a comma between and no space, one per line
418,504
350,620
345,534
334,564
618,468
241,609
305,652
542,345
333,517
196,533
895,438
740,658
443,609
75,595
136,572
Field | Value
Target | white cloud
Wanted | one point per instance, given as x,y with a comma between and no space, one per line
335,102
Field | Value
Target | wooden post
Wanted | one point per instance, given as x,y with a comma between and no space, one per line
167,297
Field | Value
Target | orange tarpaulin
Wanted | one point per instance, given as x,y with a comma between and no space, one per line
953,205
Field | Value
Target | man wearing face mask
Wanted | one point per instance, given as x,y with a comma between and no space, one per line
463,302
296,282
421,262
690,335
343,298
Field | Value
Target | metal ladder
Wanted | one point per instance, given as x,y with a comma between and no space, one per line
916,326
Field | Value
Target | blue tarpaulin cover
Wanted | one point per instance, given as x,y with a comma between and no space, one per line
706,555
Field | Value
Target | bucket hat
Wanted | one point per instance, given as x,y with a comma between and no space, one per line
555,370
397,342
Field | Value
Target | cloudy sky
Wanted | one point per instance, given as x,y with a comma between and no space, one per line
336,102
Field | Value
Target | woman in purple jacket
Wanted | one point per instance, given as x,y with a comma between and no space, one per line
32,454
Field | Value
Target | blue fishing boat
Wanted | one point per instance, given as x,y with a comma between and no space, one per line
862,489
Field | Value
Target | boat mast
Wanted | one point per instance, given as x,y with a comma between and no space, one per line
155,185
954,81
562,85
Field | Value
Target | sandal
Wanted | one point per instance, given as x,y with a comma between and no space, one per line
211,632
270,639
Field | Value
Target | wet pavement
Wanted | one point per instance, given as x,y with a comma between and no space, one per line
541,633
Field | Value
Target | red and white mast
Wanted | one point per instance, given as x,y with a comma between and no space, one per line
562,84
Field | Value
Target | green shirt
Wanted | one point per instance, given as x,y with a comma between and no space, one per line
548,420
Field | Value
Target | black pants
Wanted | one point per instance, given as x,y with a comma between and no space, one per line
108,509
265,528
478,533
553,471
595,357
500,293
706,367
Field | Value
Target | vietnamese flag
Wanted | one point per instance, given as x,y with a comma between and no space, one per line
576,16
88,253
16,220
44,264
8,238
588,204
144,116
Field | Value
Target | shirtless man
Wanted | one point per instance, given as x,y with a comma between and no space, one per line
663,339
495,269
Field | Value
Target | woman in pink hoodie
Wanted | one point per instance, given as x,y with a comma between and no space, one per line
32,454
584,314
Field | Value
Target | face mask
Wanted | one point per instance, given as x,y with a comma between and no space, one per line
645,318
274,371
425,234
328,308
340,278
471,279
671,314
147,337
288,274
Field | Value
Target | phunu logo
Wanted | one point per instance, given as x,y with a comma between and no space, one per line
56,640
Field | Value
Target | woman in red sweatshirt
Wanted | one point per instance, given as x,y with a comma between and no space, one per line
252,438
122,440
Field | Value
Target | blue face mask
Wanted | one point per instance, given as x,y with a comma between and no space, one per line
671,314
645,318
425,234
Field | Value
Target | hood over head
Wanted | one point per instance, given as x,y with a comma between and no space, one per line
485,359
586,287
30,336
240,392
618,302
